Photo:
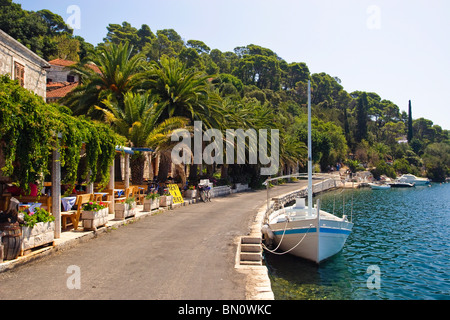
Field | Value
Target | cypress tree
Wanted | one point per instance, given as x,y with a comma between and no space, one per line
410,126
361,117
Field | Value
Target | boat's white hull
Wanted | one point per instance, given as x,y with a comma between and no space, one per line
379,187
419,183
303,239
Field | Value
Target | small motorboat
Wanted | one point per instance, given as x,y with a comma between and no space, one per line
409,178
376,186
398,184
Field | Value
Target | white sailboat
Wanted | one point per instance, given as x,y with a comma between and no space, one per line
304,231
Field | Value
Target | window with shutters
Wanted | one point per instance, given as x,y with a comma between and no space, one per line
19,73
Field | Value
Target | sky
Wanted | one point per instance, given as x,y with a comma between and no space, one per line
398,49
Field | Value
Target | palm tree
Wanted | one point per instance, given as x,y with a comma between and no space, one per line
138,121
182,91
109,71
292,153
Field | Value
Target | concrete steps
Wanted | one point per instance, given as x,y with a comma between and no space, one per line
250,252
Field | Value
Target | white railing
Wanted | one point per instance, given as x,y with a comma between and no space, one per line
330,181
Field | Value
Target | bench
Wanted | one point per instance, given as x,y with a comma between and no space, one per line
74,215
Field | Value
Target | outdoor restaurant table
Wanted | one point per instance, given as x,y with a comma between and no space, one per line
98,196
29,206
68,202
119,192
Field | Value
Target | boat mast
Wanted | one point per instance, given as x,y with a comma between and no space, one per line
310,194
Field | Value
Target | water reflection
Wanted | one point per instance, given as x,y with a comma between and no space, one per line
402,231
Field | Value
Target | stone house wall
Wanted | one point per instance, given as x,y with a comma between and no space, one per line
59,74
35,74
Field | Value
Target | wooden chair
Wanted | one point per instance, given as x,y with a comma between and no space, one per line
4,202
75,215
109,199
130,192
140,193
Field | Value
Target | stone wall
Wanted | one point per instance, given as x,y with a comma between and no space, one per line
60,73
303,193
11,52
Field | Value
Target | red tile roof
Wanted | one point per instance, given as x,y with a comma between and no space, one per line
59,90
68,63
61,62
56,85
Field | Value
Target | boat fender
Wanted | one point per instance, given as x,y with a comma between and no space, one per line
266,231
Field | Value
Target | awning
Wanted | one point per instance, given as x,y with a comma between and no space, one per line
124,149
132,150
143,149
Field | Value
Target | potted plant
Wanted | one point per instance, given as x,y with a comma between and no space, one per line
94,215
191,193
125,208
38,229
131,203
166,200
151,201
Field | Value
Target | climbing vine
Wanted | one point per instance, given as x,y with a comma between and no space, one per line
30,130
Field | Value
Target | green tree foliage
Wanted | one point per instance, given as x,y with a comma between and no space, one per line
138,121
44,32
328,141
410,123
181,91
28,134
361,117
120,72
437,161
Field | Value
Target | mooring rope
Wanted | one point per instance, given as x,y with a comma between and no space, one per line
285,252
282,237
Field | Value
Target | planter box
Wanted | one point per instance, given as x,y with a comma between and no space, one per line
94,219
241,187
124,210
42,233
190,194
150,204
220,191
165,201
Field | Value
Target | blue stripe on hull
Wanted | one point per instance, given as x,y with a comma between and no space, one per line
313,230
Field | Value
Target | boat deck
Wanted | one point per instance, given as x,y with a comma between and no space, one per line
299,214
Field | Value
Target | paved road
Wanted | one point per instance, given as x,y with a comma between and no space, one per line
183,254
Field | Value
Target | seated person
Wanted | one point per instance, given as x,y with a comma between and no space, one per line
17,191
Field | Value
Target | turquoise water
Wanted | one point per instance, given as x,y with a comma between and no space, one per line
399,249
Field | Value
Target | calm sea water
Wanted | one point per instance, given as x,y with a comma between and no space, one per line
399,249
